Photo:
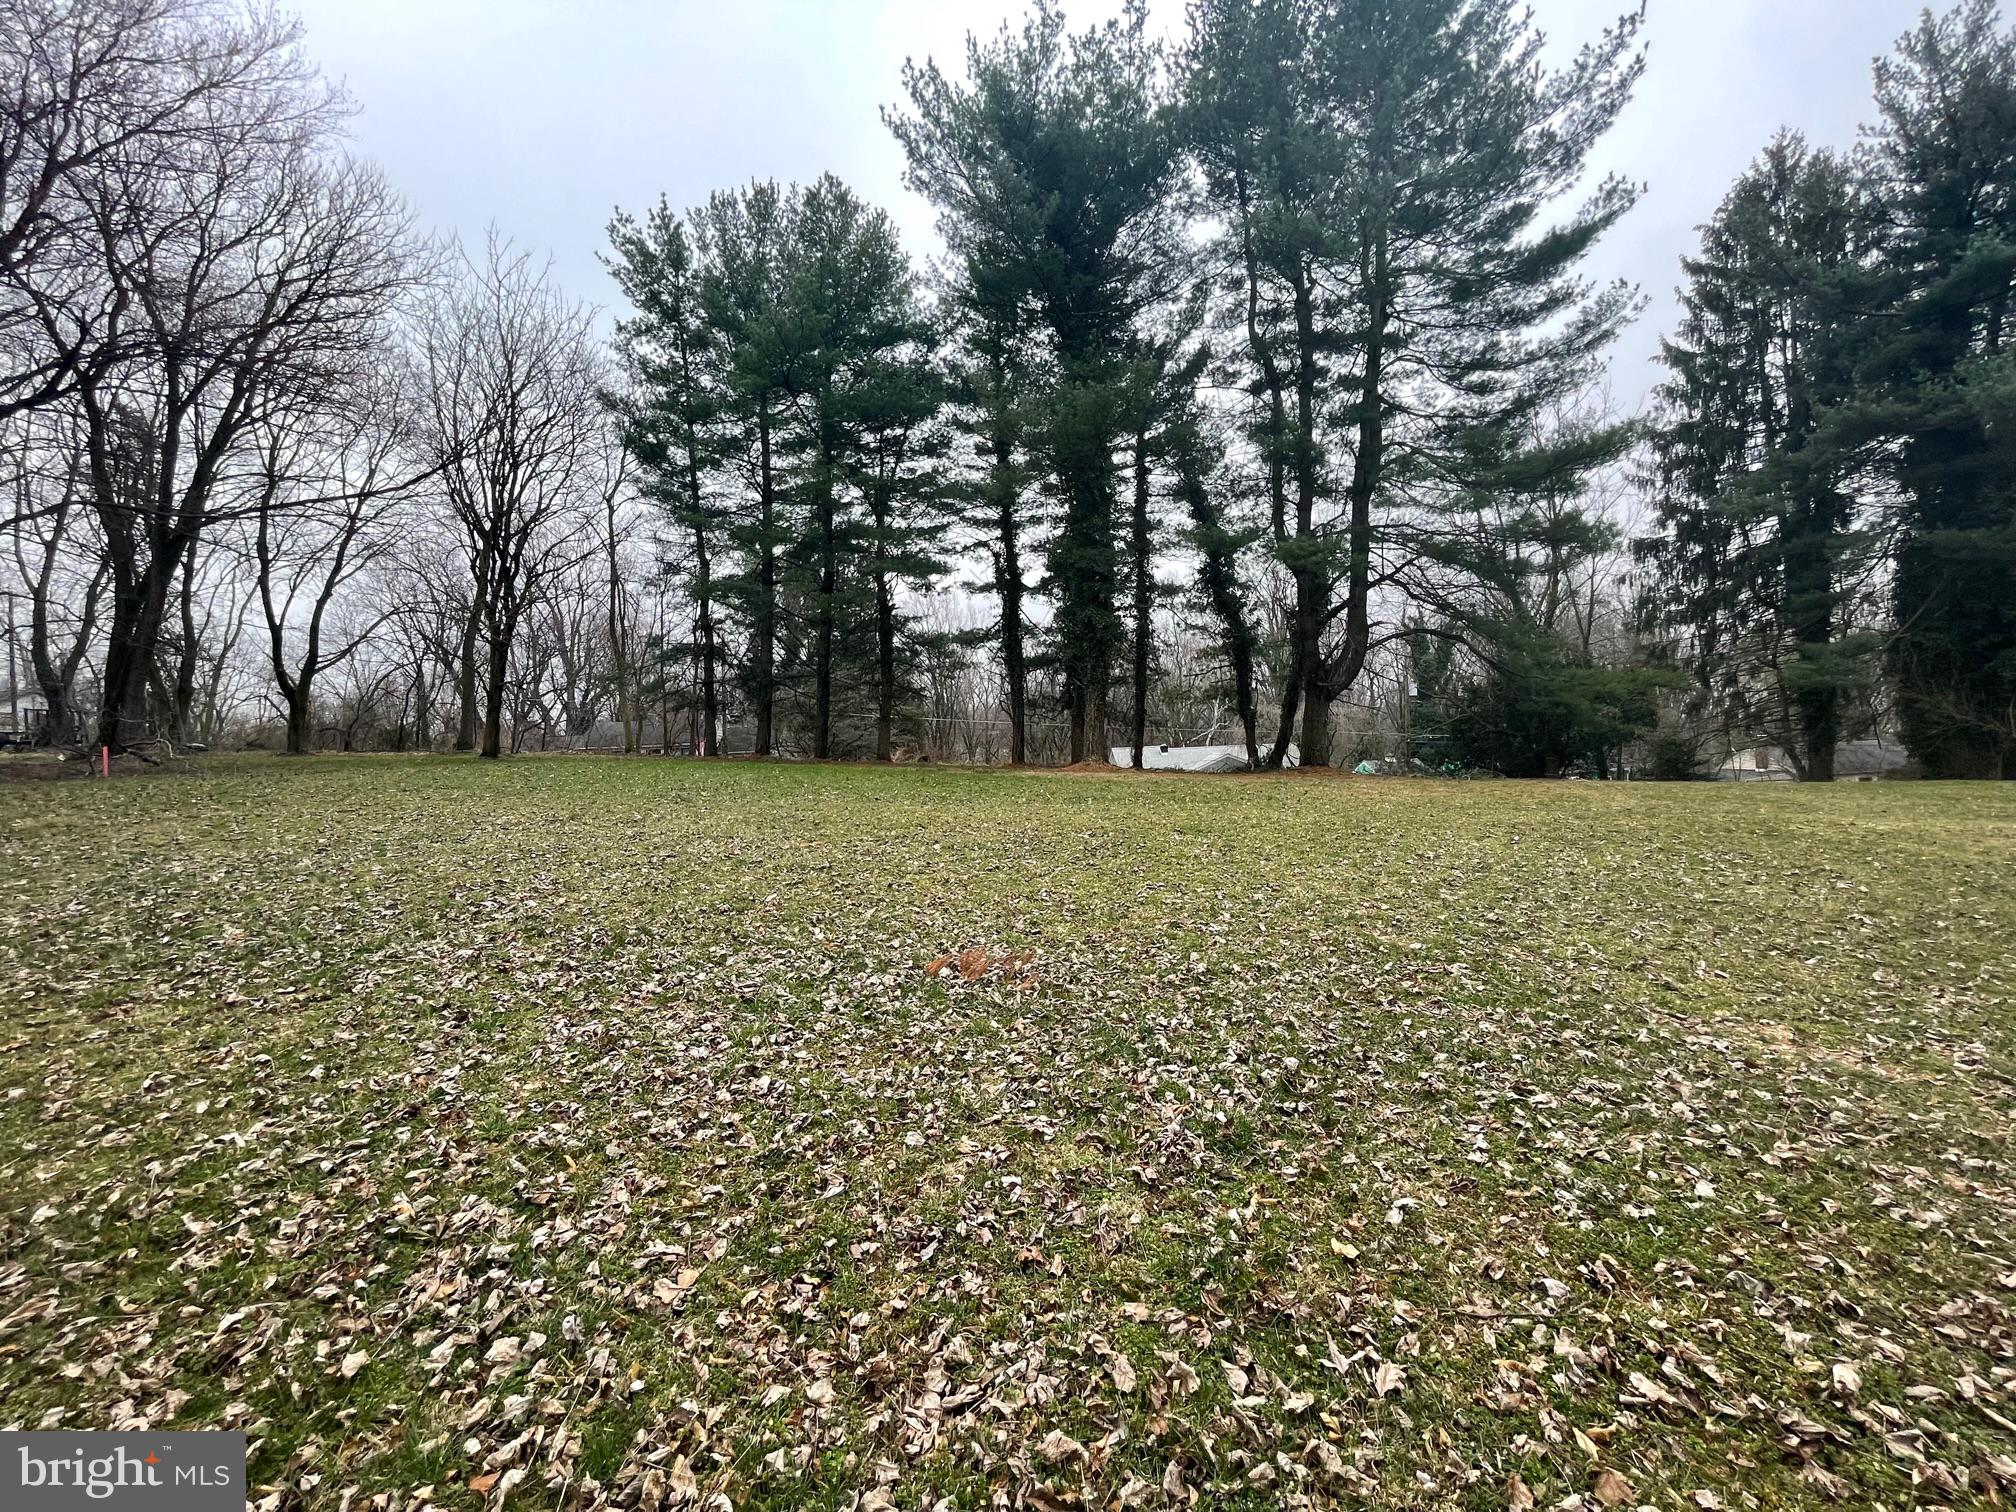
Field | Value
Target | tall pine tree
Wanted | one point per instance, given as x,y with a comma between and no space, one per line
990,393
1387,172
1765,540
857,387
671,409
744,237
1054,168
1939,382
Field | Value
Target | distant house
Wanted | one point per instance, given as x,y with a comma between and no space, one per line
1868,760
1854,761
1755,764
23,717
1198,758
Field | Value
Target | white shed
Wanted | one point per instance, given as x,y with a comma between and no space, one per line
1198,758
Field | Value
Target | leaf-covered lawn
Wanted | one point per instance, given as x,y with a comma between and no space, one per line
586,1131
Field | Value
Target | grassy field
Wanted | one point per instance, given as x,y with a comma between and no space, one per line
581,1131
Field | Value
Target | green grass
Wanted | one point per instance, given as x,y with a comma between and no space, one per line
605,1108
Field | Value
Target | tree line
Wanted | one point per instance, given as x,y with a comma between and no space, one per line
1255,399
1833,465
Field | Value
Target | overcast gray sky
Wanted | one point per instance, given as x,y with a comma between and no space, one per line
543,115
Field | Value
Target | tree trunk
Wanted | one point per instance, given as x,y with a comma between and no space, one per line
1276,457
1333,679
763,668
300,714
1083,561
56,673
465,686
710,709
1144,594
1218,573
1312,588
885,668
1291,700
493,702
822,668
1315,725
1008,584
619,645
1809,601
139,606
182,706
1820,728
60,717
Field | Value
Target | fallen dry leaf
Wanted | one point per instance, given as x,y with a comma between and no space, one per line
1610,1488
1058,1446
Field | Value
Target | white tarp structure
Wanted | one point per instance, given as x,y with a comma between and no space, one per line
1202,758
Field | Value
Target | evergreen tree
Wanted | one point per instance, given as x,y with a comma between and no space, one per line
1760,502
744,237
1260,115
1163,387
1196,460
671,411
1385,169
1530,689
989,390
1054,168
853,375
1537,711
1939,382
899,448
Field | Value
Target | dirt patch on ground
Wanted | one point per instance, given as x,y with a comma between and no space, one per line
43,766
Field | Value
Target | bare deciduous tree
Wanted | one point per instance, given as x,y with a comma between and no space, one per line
259,271
514,419
102,102
355,463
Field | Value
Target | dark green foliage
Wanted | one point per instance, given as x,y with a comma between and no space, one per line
670,413
900,447
1053,167
1840,415
1939,383
783,405
1673,754
1197,462
992,415
1534,690
744,237
857,383
1767,534
1538,711
1387,171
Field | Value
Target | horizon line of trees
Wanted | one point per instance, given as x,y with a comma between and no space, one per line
1256,399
